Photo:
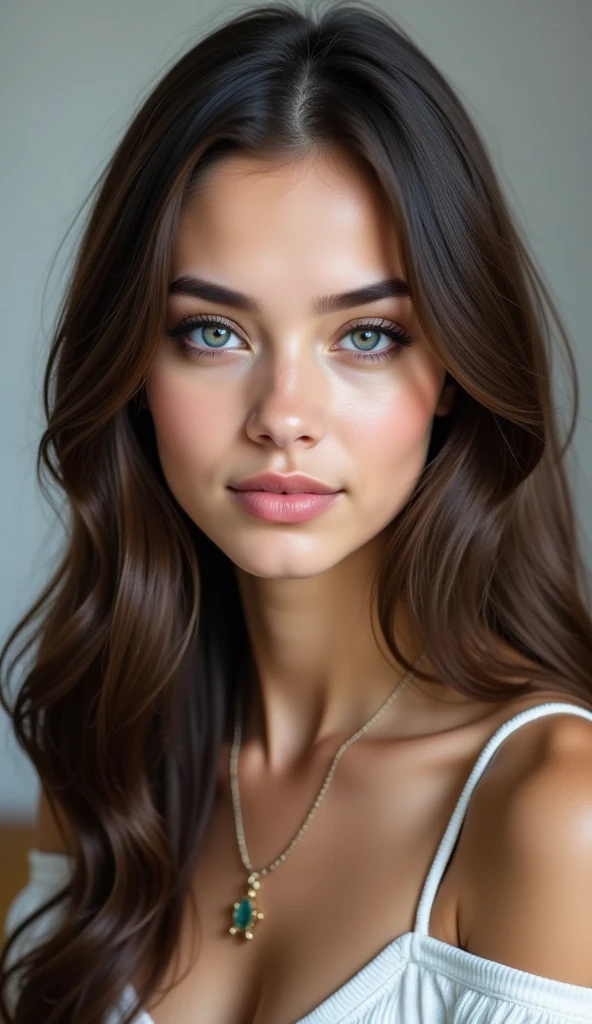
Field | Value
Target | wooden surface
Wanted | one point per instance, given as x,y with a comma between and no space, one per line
15,839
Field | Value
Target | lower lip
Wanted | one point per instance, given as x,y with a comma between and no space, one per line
284,508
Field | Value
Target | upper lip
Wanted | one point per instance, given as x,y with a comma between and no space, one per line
295,483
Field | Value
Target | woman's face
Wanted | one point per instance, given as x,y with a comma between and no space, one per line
292,386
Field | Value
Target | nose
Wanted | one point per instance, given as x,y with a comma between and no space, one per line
289,404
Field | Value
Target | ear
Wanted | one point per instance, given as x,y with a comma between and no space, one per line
447,396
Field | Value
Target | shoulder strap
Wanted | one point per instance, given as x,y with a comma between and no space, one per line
448,842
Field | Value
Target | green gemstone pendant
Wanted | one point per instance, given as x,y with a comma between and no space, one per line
245,913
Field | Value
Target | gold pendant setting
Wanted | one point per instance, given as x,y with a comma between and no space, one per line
245,913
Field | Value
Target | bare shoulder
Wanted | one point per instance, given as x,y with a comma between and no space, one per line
53,832
526,854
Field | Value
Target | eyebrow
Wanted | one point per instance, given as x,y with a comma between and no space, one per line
198,288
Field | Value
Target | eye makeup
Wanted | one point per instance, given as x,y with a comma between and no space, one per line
379,325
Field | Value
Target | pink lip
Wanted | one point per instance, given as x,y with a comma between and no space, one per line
293,483
284,508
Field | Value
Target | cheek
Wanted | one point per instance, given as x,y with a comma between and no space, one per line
391,452
393,429
191,429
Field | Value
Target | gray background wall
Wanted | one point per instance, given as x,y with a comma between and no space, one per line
72,72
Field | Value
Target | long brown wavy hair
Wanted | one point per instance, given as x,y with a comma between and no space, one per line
139,636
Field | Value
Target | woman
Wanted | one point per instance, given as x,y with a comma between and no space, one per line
299,268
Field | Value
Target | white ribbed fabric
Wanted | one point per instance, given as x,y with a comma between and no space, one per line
415,979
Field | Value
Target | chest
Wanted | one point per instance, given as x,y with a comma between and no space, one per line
346,890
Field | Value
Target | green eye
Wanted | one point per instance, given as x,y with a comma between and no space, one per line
378,326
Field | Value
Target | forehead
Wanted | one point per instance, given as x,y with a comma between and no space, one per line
321,216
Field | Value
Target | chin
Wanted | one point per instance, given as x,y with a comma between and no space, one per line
293,560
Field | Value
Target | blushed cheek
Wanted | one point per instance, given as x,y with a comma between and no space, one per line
189,428
392,443
390,431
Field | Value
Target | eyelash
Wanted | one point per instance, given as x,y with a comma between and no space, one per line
184,328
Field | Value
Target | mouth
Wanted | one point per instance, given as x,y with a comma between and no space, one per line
276,483
284,506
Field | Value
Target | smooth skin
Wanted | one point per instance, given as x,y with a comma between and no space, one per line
287,394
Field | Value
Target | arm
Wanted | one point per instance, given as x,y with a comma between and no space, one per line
527,864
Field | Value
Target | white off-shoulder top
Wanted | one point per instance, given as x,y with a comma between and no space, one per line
415,979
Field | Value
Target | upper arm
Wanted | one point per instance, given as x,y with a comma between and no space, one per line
527,868
52,834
